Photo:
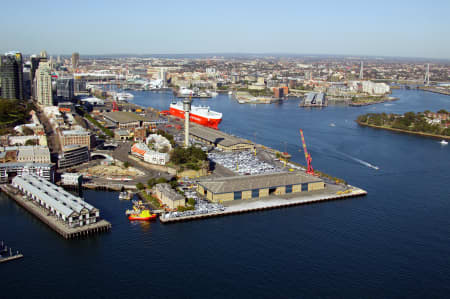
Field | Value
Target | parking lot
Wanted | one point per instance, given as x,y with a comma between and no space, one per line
243,163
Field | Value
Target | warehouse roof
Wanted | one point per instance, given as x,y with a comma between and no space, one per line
169,192
124,117
55,196
215,136
241,183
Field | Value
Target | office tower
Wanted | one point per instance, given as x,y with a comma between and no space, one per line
75,60
65,89
44,84
27,80
11,76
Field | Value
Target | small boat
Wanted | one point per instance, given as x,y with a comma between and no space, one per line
332,125
124,195
443,142
140,212
142,215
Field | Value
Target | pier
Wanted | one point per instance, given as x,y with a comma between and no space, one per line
53,222
4,257
247,206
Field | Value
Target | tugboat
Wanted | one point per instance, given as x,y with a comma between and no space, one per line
140,212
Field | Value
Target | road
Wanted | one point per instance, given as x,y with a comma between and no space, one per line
121,154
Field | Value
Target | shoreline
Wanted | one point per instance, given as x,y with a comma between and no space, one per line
433,90
434,136
389,99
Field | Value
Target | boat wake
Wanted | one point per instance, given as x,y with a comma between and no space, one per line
362,162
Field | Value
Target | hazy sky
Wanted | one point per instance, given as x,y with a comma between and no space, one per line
386,28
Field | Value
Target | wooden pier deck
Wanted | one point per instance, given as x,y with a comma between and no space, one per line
11,258
246,206
56,224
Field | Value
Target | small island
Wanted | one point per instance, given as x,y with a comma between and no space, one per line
427,123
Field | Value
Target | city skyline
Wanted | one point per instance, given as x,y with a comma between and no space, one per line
401,29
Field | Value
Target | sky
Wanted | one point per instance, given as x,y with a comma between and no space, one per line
362,28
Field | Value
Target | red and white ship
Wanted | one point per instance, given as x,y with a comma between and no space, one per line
199,114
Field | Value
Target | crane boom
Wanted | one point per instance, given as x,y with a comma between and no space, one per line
308,158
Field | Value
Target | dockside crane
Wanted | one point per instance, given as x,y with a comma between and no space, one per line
115,106
308,158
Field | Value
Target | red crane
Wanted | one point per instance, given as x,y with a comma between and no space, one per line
308,158
115,106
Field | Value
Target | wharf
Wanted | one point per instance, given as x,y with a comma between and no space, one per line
107,186
11,258
276,202
57,225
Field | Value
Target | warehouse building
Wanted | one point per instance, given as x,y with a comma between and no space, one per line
28,153
169,197
72,155
69,208
220,139
129,120
257,186
75,137
13,169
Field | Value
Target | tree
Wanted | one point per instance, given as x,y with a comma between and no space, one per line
165,149
31,142
161,181
126,164
191,201
27,131
151,182
140,186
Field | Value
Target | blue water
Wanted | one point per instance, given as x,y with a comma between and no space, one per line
395,242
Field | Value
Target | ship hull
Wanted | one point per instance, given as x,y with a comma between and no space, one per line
134,217
207,122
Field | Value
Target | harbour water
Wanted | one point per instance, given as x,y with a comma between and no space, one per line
392,243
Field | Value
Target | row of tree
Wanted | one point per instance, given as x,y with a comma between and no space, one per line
14,110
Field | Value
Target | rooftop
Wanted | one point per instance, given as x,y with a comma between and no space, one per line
215,136
124,117
169,192
240,183
74,132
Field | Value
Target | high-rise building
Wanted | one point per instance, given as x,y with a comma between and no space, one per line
27,80
11,76
163,77
44,84
35,60
75,60
65,88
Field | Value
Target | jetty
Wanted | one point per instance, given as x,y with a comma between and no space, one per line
8,255
51,220
273,202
